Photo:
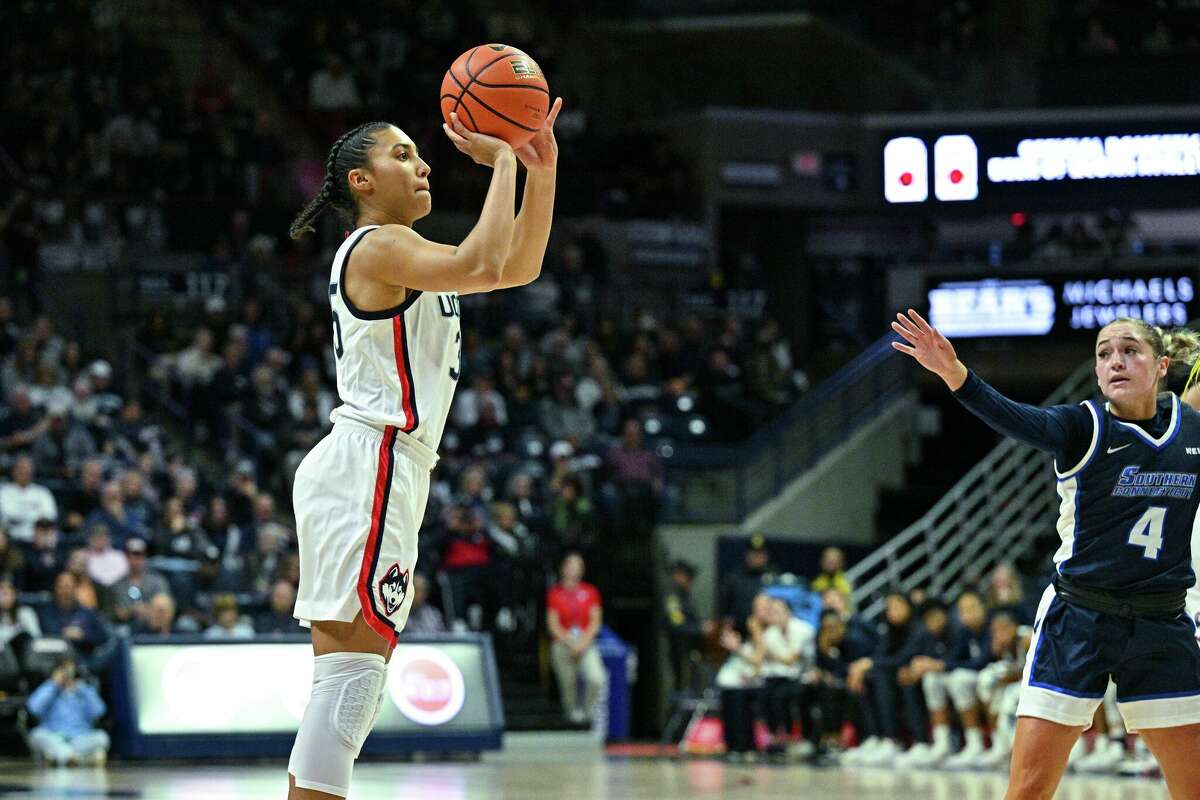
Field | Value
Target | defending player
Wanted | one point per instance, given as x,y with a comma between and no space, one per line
360,494
1127,474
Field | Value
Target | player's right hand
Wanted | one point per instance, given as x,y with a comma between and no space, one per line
482,149
929,347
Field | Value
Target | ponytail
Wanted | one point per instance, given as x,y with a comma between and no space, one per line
348,152
1182,346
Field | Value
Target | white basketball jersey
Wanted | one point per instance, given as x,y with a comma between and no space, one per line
397,367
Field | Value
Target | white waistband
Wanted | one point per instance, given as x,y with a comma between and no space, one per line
406,444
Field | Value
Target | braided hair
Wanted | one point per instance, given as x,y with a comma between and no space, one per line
348,152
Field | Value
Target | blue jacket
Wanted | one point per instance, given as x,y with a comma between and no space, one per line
67,711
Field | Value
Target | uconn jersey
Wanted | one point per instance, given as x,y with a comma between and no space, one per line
1128,495
397,367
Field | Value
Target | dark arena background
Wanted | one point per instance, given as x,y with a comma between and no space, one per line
697,395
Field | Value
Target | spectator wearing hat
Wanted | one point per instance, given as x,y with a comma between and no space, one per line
833,574
67,709
227,620
211,579
23,502
130,594
107,402
44,556
739,588
685,630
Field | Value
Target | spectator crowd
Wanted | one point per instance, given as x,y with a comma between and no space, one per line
933,684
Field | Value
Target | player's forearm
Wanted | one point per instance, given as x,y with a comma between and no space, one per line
1031,425
531,231
490,241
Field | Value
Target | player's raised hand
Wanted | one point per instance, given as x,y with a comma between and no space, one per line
929,347
541,152
482,149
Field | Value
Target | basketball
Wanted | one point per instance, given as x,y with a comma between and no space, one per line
498,90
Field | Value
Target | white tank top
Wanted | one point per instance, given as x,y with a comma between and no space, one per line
397,367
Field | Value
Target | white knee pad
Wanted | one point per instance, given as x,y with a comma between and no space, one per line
347,695
933,685
962,685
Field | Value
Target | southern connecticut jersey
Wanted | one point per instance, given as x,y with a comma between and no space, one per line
1128,506
397,367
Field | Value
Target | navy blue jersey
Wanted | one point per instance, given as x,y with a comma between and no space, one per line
970,649
1127,490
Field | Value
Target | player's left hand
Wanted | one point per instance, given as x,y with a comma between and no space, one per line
540,154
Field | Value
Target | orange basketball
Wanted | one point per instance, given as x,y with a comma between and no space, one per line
497,90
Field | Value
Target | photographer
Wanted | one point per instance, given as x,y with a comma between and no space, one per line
68,709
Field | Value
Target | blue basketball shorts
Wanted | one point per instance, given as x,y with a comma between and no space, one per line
1154,662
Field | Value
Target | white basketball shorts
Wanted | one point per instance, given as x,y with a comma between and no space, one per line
359,498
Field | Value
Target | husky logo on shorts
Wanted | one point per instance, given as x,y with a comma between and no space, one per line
392,588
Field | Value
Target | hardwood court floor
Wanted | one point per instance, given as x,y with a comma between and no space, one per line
541,767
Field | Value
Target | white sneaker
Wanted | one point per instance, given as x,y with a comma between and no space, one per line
1105,759
800,749
995,758
1139,765
882,756
866,746
923,756
967,758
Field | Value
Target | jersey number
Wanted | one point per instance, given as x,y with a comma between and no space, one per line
338,350
1147,532
454,373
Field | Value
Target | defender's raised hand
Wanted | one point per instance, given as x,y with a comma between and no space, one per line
930,348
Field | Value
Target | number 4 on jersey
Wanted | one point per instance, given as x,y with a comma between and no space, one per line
1147,532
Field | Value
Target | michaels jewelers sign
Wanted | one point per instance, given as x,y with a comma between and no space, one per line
1036,306
1042,166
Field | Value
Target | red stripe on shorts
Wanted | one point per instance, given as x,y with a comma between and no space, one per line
366,589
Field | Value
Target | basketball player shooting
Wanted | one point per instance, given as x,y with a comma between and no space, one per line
360,494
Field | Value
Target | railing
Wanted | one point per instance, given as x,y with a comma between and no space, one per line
724,484
993,514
